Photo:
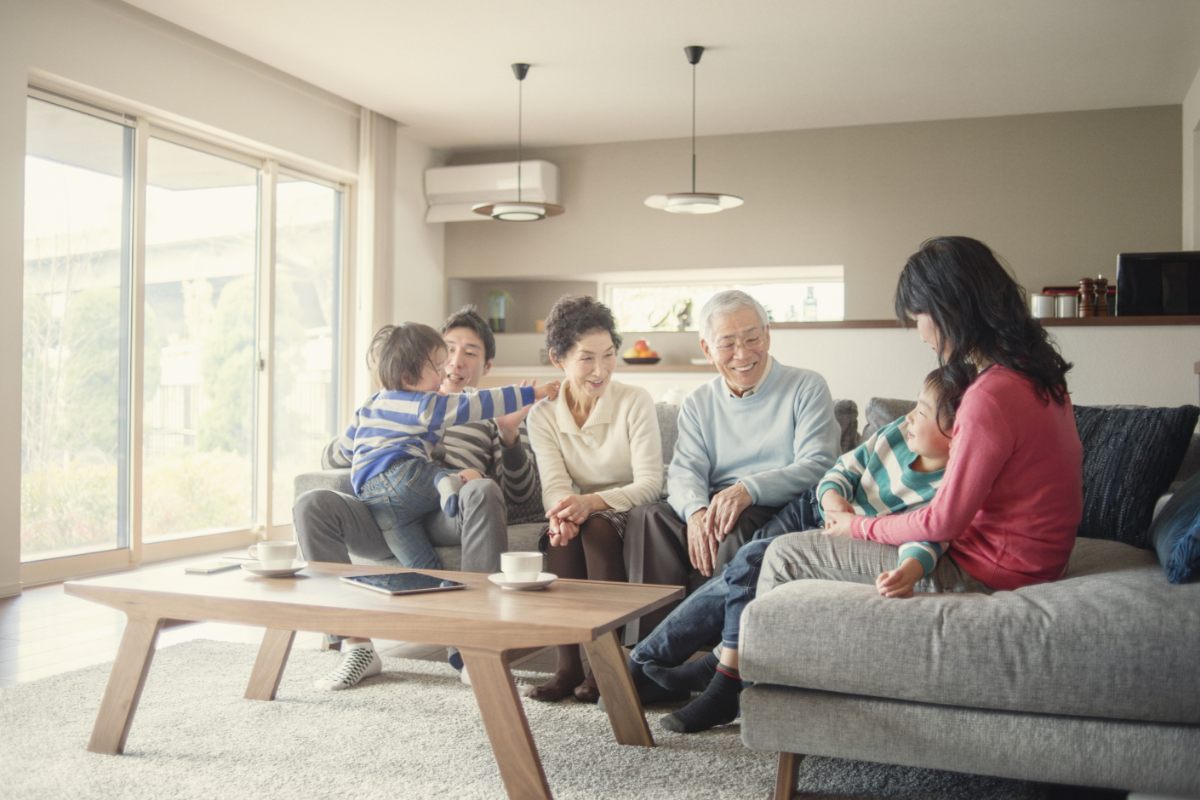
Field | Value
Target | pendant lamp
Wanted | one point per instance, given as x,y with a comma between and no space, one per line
520,210
693,202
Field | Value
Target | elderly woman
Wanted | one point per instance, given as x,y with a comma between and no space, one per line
599,453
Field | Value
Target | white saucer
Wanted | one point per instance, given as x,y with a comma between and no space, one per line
544,580
256,568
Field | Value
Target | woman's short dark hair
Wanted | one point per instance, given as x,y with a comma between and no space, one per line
467,317
981,313
399,354
574,317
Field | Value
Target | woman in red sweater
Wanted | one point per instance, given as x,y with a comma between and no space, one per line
1012,497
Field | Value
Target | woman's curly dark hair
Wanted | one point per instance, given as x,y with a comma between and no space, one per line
574,317
981,312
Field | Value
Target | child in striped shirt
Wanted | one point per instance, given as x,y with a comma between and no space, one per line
390,439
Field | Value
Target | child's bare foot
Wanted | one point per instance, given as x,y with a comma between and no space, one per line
899,582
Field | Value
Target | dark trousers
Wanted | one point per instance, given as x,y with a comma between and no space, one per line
656,552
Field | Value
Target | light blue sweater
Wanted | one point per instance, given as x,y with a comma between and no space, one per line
778,442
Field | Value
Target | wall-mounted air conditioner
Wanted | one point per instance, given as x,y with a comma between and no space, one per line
452,191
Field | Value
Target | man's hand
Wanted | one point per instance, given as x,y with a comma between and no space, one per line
510,424
837,523
832,501
702,547
724,509
562,531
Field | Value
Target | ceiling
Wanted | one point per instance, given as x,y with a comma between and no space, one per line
615,71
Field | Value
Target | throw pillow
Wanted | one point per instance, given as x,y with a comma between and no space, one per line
1130,456
1176,533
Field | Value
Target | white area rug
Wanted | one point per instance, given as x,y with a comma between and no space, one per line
413,732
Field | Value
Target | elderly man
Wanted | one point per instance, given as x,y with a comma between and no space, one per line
331,525
750,441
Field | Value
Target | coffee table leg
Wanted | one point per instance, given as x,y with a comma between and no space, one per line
124,687
507,727
268,667
621,700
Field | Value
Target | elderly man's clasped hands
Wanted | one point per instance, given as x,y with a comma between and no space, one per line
708,527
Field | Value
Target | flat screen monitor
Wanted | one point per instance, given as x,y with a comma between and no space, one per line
1157,284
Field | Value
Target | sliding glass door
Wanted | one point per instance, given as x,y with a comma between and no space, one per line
74,370
199,377
213,273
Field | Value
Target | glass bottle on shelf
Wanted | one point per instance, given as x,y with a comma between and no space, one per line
810,307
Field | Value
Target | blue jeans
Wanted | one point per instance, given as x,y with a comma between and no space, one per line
714,610
397,498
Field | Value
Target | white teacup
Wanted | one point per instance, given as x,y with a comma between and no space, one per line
522,567
273,555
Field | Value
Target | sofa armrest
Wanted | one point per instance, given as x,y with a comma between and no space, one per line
337,480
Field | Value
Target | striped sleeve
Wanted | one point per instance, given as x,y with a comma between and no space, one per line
847,472
927,553
477,445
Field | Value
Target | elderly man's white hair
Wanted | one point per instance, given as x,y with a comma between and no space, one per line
728,302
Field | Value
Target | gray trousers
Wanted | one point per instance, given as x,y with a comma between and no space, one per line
817,555
330,526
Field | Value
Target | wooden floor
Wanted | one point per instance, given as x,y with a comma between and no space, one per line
43,632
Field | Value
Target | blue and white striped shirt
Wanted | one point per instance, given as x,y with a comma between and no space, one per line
395,425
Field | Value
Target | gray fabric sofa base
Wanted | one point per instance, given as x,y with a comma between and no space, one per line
1115,754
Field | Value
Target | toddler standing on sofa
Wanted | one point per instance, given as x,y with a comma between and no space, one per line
389,441
898,469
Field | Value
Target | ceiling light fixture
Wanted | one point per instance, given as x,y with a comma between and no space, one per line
519,211
693,202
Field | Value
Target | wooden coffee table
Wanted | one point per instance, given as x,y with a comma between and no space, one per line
485,622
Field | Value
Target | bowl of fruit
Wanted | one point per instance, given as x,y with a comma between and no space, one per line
640,353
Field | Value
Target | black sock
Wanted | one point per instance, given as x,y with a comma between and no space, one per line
695,676
650,692
719,705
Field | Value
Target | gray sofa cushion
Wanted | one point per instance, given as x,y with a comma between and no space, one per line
1112,640
882,410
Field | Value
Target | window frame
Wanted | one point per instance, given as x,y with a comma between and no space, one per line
147,123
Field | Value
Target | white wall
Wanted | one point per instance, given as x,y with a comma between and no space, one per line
419,286
1057,195
1191,167
120,51
1150,365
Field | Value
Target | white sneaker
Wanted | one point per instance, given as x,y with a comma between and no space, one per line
524,689
358,661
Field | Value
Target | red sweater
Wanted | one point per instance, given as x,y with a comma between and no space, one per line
1012,497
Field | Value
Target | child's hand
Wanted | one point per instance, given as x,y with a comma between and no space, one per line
470,475
832,501
837,523
510,424
899,582
548,390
